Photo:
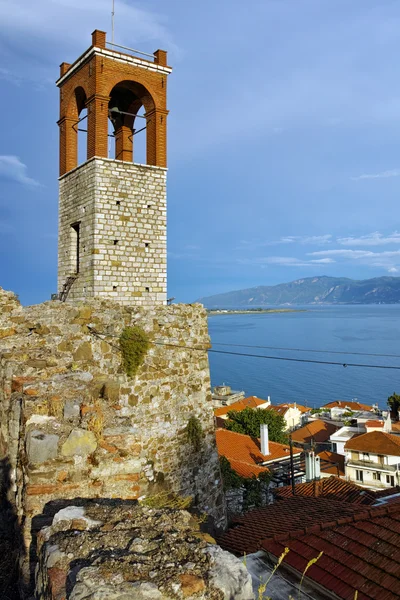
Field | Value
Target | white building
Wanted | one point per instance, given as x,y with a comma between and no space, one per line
373,460
342,436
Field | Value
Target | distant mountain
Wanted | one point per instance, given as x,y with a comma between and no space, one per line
313,290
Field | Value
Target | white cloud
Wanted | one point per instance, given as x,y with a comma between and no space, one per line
372,239
36,20
393,270
12,168
286,261
382,175
302,239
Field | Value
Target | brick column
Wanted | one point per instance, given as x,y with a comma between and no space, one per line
68,144
157,137
124,144
97,139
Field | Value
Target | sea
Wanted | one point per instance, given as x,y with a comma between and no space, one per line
341,334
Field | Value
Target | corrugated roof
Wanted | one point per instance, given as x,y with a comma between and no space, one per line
317,431
243,449
375,442
250,402
288,516
360,553
329,487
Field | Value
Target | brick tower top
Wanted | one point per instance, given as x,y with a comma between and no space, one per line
113,84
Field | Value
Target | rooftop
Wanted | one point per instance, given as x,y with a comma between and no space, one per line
360,553
287,517
330,487
250,402
376,442
317,431
350,404
336,461
283,408
244,454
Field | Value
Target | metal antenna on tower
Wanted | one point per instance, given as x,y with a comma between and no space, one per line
112,21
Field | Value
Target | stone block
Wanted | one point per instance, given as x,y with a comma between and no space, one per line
80,442
40,446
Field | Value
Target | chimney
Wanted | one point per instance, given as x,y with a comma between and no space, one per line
313,466
387,428
269,400
264,439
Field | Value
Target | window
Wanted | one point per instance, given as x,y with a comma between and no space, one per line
147,289
334,447
376,475
390,479
118,203
116,242
75,250
359,475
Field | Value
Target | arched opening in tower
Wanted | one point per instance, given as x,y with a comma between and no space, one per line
129,108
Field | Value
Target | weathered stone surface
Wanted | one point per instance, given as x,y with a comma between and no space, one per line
40,446
132,439
79,443
136,553
229,575
83,352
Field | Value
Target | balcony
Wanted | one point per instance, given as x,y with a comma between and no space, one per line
370,464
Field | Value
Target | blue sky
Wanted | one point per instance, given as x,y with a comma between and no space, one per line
284,136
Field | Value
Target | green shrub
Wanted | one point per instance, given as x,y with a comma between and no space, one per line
134,343
194,433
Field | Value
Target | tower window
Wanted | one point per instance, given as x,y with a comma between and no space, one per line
118,203
147,289
115,287
75,249
149,206
116,242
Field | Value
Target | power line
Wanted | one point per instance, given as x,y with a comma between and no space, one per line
300,360
245,354
307,350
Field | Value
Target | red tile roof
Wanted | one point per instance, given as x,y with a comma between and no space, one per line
360,553
317,431
243,449
347,404
292,515
372,423
375,442
329,487
250,402
283,408
336,461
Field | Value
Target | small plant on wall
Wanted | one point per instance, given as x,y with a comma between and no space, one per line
134,343
194,433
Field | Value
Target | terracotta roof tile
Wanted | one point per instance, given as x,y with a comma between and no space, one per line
250,402
347,404
283,408
336,461
359,555
243,449
330,487
372,423
375,442
317,431
286,517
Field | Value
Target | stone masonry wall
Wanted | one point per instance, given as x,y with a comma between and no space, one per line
121,211
74,425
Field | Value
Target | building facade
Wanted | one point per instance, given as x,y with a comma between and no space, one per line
112,212
373,460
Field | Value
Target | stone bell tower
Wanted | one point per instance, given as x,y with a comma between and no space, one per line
112,212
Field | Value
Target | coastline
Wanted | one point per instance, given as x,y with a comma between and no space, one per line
263,311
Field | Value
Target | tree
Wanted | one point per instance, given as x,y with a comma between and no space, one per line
394,404
248,421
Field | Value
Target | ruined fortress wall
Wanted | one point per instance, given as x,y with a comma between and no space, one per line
120,209
74,425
